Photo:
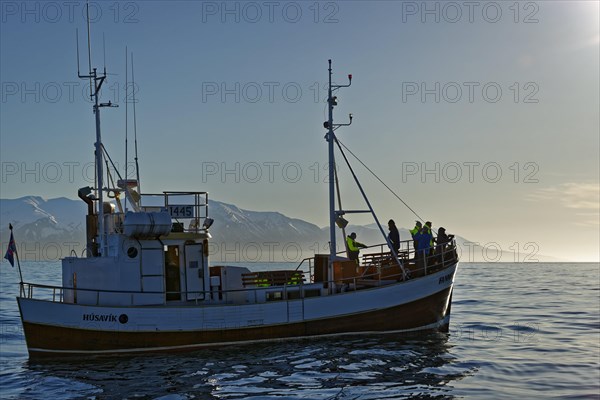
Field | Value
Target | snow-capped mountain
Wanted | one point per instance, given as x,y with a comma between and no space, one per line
237,225
43,229
52,229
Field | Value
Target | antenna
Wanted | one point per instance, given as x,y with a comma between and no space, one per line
87,10
104,51
137,167
126,119
77,44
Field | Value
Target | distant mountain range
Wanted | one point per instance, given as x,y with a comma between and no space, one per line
54,228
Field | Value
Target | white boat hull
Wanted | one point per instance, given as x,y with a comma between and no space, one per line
53,328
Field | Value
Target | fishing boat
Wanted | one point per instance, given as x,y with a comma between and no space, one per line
145,282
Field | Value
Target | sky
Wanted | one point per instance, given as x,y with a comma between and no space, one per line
482,116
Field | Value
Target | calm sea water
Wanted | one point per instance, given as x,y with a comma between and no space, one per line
517,331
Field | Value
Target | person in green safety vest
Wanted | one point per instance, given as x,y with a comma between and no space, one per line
414,231
428,226
353,247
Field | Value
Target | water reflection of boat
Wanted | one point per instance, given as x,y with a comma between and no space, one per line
367,366
145,284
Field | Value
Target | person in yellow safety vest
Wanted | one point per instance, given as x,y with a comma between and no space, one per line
415,231
353,247
428,226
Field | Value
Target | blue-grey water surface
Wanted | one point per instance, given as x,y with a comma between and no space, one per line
517,331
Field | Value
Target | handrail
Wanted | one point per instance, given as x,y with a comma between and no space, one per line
302,262
431,263
197,215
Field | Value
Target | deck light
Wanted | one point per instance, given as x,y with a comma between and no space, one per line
208,223
341,222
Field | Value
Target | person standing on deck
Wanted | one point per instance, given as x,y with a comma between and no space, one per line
394,236
423,246
442,242
428,226
424,239
353,247
415,231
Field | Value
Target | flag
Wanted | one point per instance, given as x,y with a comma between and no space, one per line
12,249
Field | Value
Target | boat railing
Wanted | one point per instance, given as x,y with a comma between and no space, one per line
262,287
383,269
310,262
189,210
260,294
440,256
406,246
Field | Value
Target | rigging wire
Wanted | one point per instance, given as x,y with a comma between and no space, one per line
137,167
111,162
126,120
339,196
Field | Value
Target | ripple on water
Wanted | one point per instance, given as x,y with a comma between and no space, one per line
516,332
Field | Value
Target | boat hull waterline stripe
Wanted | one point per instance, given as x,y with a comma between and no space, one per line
432,326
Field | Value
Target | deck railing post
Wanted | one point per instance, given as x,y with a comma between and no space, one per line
443,252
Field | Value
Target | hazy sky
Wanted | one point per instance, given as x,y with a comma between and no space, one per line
483,116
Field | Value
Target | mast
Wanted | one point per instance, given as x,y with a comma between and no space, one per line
330,137
99,167
96,81
331,166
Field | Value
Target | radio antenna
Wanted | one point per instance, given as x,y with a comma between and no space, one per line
87,10
137,167
104,51
126,119
77,44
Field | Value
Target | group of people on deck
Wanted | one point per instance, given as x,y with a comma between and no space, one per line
423,241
